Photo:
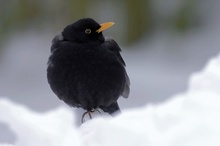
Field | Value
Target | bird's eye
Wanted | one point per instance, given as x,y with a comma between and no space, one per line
88,31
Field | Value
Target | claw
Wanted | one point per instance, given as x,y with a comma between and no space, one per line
89,112
84,114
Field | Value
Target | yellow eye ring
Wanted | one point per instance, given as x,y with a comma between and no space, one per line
88,31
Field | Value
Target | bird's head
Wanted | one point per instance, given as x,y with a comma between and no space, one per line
85,30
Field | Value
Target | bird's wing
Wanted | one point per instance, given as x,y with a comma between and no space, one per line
113,46
126,91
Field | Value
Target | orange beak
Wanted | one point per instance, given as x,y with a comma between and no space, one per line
105,26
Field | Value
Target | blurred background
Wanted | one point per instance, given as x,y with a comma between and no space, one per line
163,43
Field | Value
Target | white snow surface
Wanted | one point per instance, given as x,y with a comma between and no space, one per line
187,119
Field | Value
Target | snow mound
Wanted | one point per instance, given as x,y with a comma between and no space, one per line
53,128
188,119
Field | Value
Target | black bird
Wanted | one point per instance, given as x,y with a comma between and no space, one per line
86,70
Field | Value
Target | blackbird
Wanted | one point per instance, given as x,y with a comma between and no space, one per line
85,69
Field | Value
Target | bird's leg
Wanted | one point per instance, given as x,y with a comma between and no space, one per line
90,116
82,120
89,112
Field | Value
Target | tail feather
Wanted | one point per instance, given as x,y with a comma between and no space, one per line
112,109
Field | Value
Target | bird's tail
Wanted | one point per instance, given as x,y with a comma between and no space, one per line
112,109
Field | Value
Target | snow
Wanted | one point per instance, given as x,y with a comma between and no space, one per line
53,128
187,119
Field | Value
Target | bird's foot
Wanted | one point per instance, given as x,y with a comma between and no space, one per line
89,112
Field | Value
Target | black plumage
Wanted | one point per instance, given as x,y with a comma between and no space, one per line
86,70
